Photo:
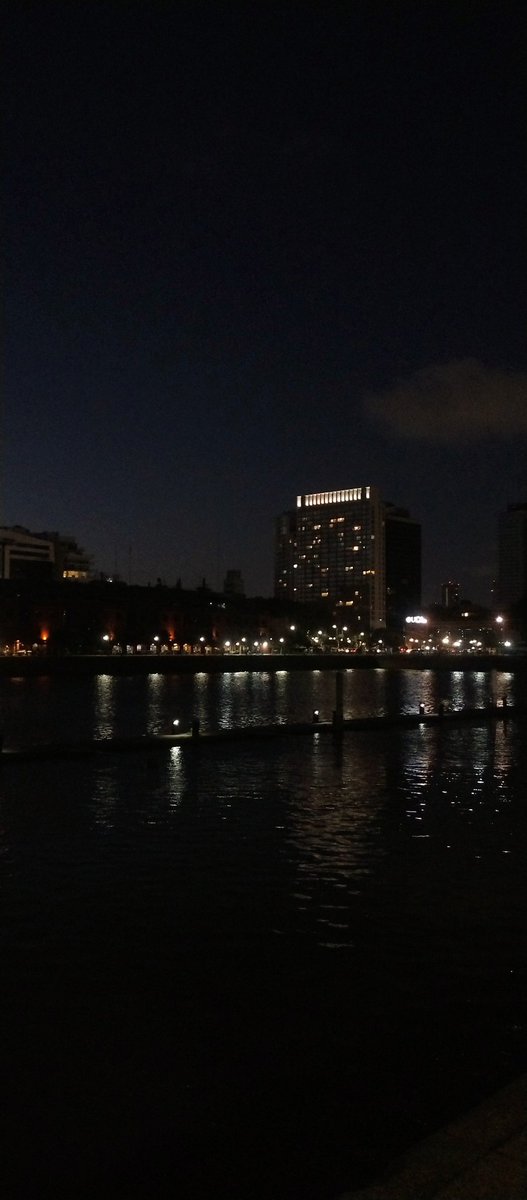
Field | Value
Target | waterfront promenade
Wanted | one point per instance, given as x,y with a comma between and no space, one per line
173,664
481,1156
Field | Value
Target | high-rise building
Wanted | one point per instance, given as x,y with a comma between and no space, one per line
450,595
403,563
512,555
332,547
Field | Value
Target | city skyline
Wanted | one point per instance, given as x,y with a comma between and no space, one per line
253,253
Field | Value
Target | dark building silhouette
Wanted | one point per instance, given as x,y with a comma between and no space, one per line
450,595
512,555
402,535
41,556
233,584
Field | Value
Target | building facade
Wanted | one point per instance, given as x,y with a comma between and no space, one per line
39,556
332,548
512,555
25,555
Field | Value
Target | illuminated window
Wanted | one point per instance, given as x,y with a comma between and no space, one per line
338,497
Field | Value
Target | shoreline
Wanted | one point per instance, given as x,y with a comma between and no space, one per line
149,664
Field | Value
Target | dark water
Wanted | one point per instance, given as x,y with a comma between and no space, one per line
255,971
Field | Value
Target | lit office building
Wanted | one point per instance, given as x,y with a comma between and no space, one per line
332,547
512,555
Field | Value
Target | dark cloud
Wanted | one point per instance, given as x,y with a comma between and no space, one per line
453,402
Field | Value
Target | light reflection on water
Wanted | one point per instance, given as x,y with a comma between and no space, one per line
343,920
54,709
104,706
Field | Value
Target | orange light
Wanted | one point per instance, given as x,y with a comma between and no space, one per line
44,635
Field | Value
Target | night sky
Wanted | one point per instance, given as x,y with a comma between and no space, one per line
260,249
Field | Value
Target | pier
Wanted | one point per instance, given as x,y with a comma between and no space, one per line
193,737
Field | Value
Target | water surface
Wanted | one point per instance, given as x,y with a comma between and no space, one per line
253,971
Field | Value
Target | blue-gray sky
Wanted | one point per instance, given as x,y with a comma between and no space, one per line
261,249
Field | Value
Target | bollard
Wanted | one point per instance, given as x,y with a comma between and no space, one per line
195,727
338,713
421,710
337,723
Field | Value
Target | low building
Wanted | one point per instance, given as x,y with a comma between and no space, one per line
41,556
25,555
71,561
233,584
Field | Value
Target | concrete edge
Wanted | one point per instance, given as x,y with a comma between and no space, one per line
423,1171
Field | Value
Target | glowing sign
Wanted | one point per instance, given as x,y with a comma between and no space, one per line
417,620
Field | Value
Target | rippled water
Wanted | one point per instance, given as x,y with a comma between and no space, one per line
255,971
51,708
